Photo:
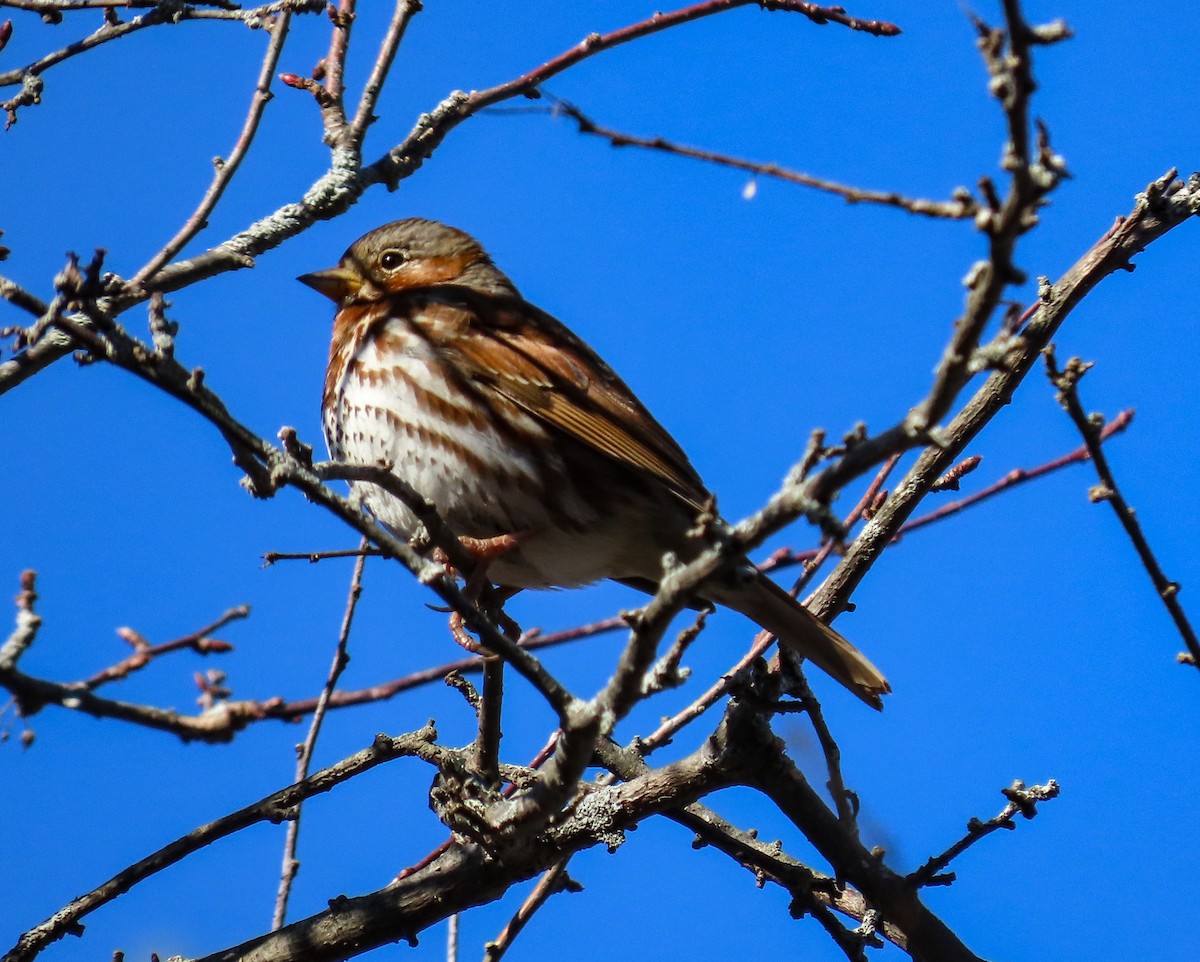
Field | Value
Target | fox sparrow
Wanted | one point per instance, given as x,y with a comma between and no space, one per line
511,426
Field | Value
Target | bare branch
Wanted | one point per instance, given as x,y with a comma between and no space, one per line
961,207
274,808
346,179
16,295
144,652
226,168
304,751
1164,205
1013,479
1091,427
365,114
29,76
774,774
553,881
1021,801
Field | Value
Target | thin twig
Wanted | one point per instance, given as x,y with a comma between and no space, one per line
963,206
224,720
304,753
144,653
1165,204
1031,179
334,65
1013,479
272,557
28,623
552,881
1021,801
227,167
452,938
1090,427
844,800
433,127
157,14
1017,477
273,808
404,11
17,296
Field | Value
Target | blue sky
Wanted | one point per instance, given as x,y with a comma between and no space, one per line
1022,639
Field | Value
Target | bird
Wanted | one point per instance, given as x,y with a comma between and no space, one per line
519,434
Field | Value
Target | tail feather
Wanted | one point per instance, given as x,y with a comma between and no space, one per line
765,603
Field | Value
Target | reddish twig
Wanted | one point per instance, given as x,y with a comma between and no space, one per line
144,652
225,719
333,67
1017,477
785,557
596,42
432,128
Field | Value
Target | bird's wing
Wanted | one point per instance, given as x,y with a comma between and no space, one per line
526,356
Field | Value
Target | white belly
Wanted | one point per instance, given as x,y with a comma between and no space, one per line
409,412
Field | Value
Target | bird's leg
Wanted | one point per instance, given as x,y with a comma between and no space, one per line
476,585
481,591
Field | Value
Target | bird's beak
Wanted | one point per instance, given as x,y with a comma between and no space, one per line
336,283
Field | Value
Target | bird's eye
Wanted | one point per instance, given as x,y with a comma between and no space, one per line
390,260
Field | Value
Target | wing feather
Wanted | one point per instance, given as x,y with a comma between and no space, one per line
532,360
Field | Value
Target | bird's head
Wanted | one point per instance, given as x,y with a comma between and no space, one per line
408,255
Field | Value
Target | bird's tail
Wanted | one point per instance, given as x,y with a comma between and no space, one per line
765,603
